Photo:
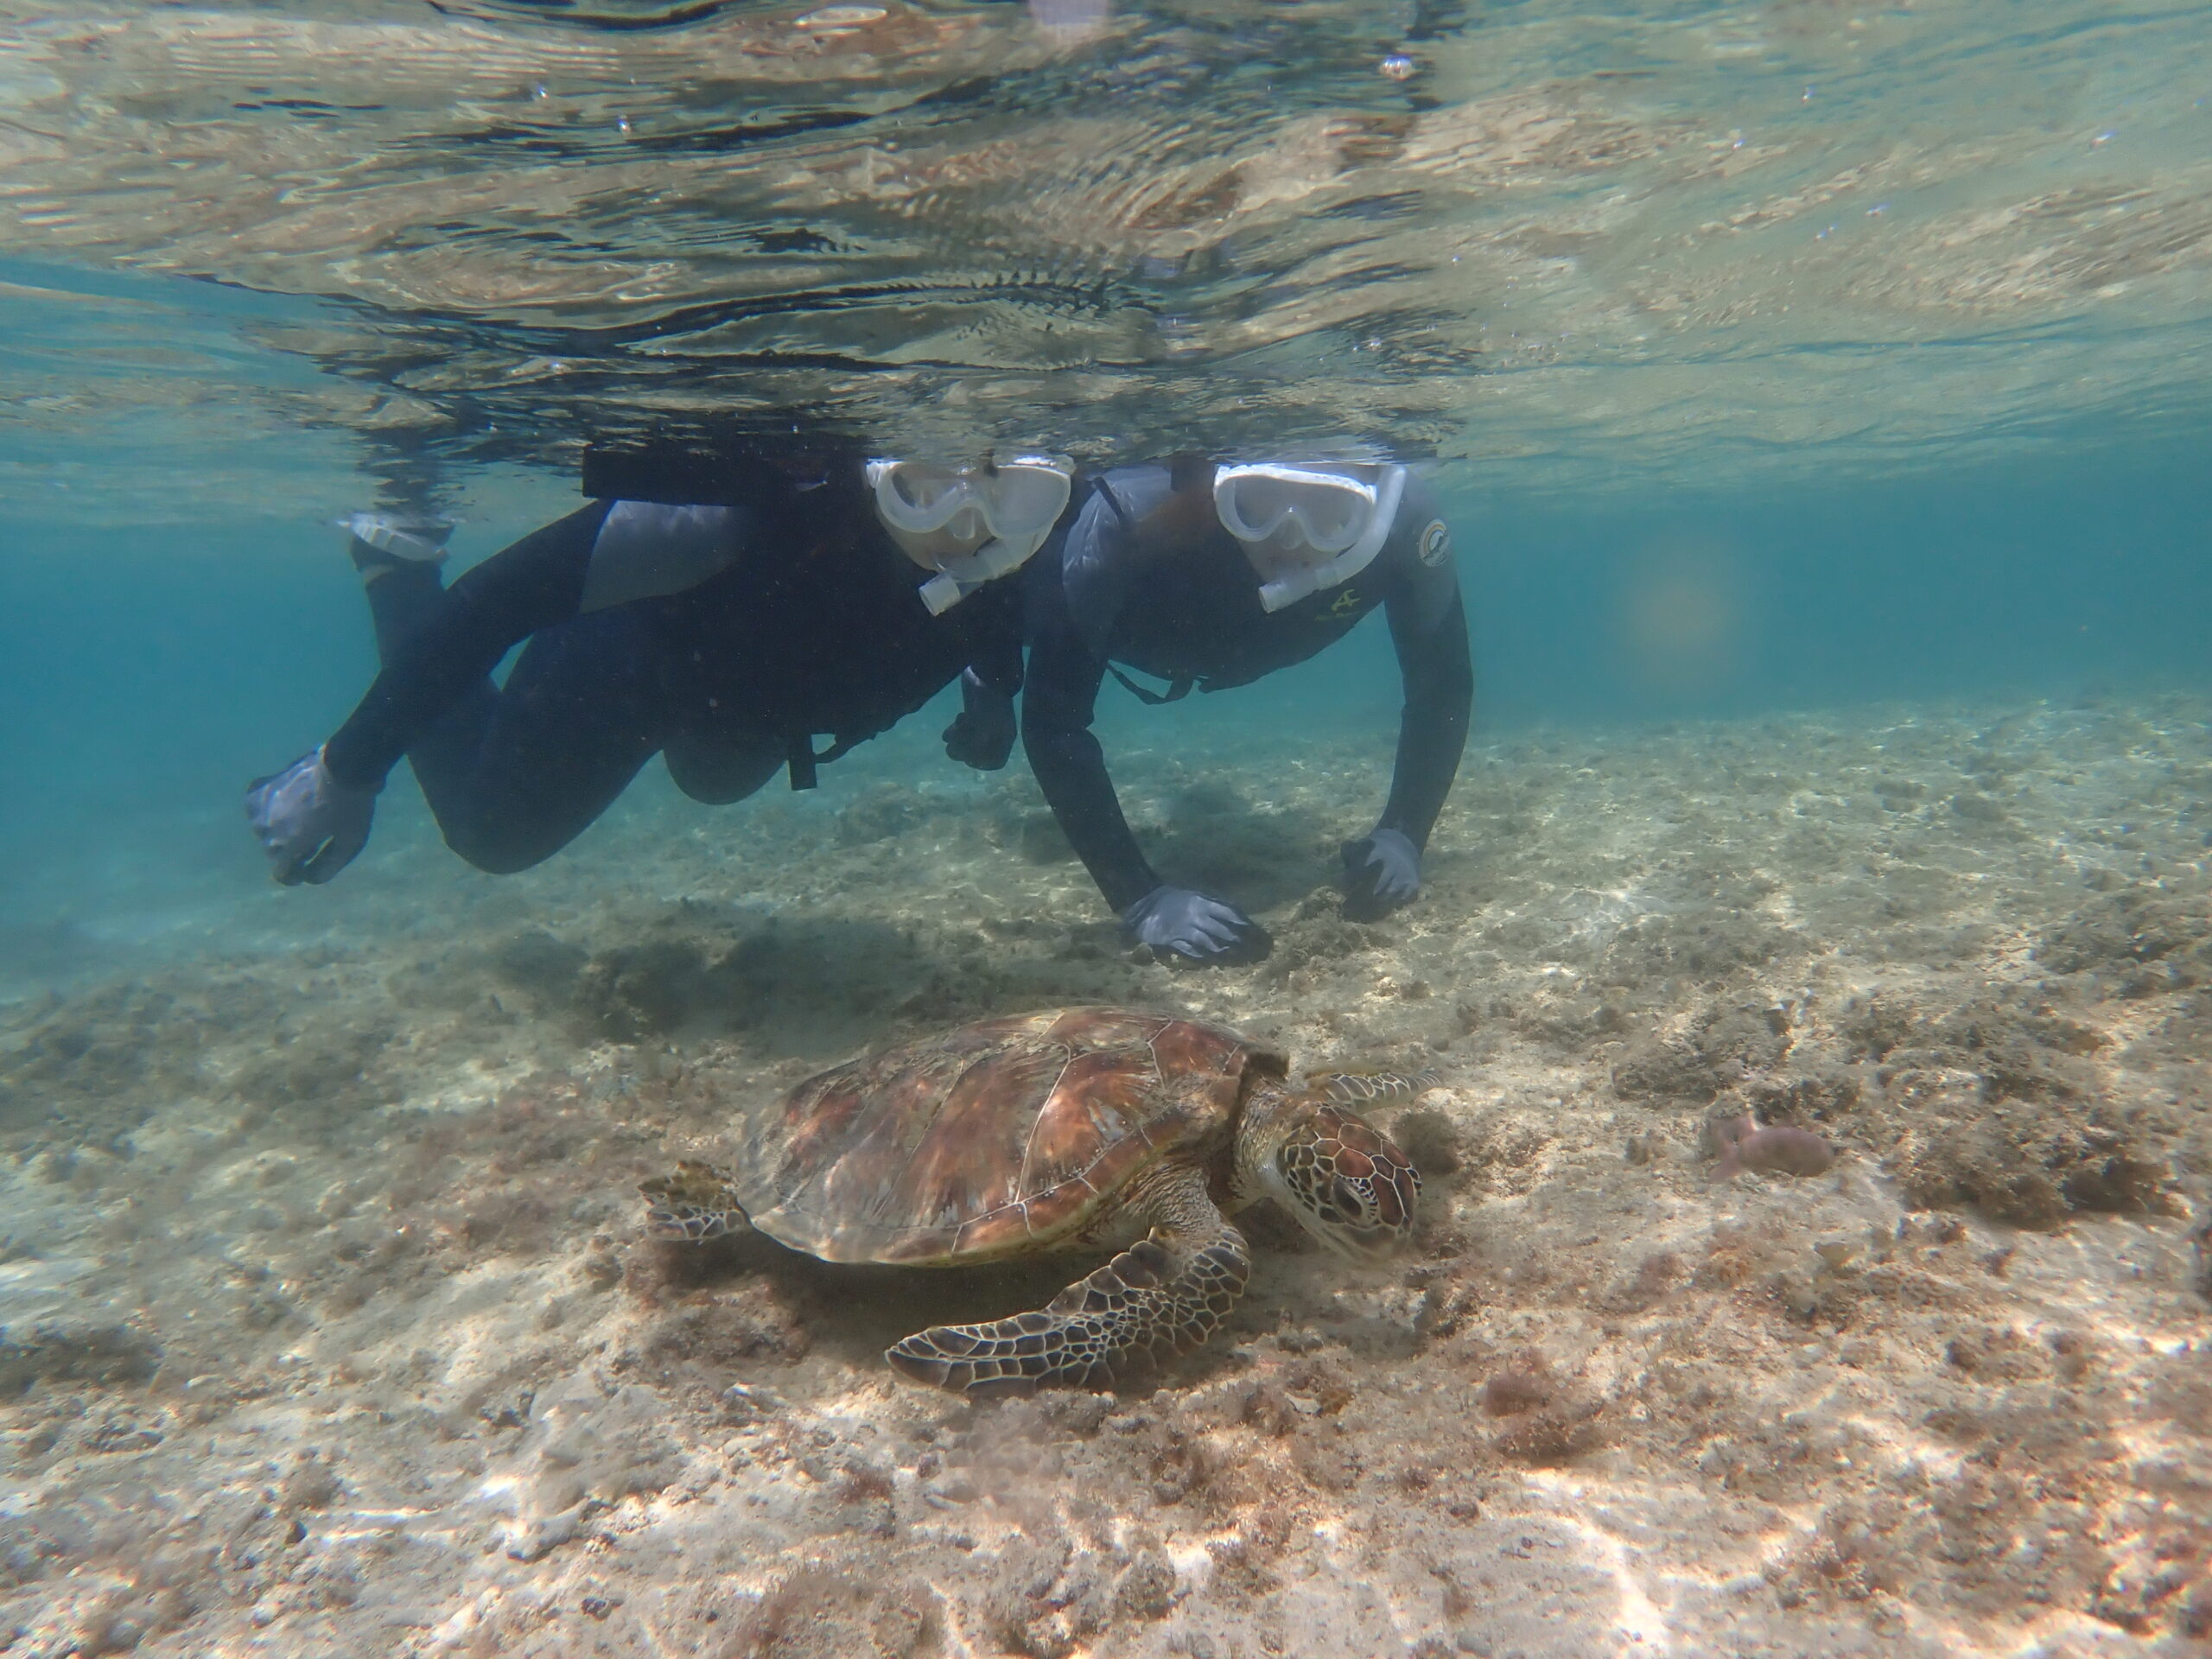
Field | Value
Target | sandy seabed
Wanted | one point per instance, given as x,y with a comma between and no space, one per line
330,1328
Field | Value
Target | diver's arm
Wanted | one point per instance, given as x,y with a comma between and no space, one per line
995,648
1057,704
1079,580
1178,923
1428,626
1067,662
982,735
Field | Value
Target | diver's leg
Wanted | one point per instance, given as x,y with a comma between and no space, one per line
402,572
717,767
583,709
402,593
401,564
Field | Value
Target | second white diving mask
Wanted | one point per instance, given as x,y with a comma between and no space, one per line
969,525
1308,527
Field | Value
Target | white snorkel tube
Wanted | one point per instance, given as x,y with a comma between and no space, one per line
1325,524
957,578
969,524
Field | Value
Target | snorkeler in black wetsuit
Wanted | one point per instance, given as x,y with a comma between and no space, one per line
1213,577
725,638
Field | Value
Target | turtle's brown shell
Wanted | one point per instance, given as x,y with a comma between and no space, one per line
993,1140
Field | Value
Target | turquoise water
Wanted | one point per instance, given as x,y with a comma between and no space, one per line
1819,398
1876,336
152,669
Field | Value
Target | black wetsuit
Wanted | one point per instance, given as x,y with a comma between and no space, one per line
1186,610
726,638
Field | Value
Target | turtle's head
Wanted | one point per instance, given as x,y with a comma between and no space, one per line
1344,1178
697,1204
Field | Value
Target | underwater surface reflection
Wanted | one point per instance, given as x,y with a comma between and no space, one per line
1604,248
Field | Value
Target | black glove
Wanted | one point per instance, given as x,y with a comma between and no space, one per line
1179,923
1381,873
982,735
308,823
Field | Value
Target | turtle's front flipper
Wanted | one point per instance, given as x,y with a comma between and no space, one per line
699,1202
1162,1296
1360,1088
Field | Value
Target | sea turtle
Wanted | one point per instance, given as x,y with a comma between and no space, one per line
1073,1129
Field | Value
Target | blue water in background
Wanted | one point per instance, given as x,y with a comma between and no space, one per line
146,674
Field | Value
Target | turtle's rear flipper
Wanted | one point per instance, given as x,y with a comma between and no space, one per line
1161,1297
693,1205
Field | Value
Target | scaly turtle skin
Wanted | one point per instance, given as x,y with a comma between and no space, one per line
1074,1128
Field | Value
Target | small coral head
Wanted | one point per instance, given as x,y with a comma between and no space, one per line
1345,1181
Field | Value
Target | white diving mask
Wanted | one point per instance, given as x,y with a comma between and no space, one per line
1308,527
969,525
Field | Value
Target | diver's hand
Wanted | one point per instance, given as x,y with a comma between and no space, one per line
1382,873
982,735
1177,923
308,823
982,738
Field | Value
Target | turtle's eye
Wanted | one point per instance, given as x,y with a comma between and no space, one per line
1352,1202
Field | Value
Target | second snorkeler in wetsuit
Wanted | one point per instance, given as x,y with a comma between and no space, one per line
1213,577
724,636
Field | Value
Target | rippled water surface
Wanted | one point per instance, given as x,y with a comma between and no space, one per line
1586,246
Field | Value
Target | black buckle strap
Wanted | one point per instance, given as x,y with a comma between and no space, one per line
805,759
1177,689
801,757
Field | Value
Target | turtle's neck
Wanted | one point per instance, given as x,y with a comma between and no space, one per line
1259,1136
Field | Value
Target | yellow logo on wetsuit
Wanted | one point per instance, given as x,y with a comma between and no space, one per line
1347,603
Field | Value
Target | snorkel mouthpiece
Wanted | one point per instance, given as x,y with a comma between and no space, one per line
957,578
